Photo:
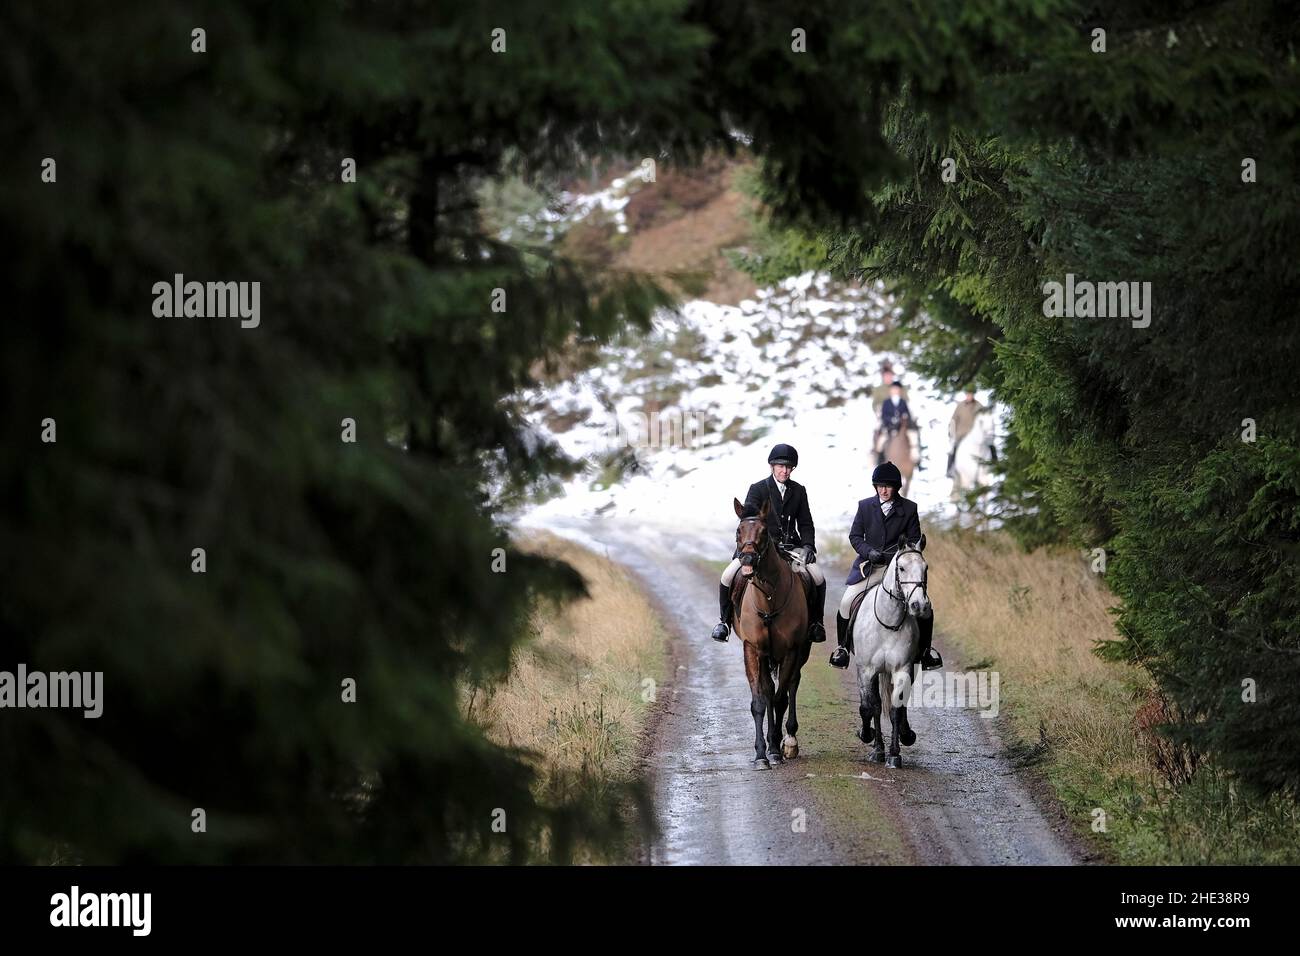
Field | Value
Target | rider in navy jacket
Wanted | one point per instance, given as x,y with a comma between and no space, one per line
875,537
872,532
894,408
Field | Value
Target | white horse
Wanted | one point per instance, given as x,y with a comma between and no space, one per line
885,640
970,467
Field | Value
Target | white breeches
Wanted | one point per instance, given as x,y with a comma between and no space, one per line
814,571
853,590
729,574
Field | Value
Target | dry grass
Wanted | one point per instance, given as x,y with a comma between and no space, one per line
688,235
1036,619
1089,725
575,697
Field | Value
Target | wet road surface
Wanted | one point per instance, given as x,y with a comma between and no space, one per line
958,799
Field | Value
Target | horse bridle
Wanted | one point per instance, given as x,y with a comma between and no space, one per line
757,556
904,600
753,560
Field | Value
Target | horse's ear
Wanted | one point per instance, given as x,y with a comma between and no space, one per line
740,509
920,545
764,509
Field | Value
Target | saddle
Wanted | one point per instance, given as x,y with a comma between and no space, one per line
866,571
800,570
853,616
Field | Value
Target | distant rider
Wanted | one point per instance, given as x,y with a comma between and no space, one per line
893,415
963,419
880,394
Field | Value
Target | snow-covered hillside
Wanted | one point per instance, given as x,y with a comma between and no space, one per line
793,365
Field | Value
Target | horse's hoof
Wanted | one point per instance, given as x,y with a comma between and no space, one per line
892,761
774,756
907,737
761,764
877,756
789,748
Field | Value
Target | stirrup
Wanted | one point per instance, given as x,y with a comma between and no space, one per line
931,660
817,632
836,654
720,632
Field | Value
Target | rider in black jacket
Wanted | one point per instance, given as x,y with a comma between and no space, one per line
790,524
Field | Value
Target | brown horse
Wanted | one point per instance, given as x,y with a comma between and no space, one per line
898,449
772,622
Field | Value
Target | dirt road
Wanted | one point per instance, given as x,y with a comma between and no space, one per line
957,800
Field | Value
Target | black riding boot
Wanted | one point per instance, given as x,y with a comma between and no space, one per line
817,611
723,627
930,658
952,456
840,656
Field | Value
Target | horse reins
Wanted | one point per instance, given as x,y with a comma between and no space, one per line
899,597
766,616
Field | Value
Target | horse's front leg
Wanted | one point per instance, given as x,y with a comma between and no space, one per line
758,704
889,693
895,758
780,701
864,704
878,715
905,733
790,743
872,719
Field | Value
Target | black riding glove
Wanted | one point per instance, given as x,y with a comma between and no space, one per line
874,555
810,555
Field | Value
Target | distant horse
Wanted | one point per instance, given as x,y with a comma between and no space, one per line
772,622
970,466
898,449
885,640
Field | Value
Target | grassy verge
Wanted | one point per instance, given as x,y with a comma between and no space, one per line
579,694
1086,724
827,721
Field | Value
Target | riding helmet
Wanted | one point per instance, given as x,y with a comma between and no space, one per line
887,474
784,455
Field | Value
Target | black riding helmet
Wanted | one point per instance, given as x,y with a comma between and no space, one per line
784,455
887,474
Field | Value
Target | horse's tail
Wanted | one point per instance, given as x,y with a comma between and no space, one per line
886,688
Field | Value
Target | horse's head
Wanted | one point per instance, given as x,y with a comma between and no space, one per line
911,576
752,539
